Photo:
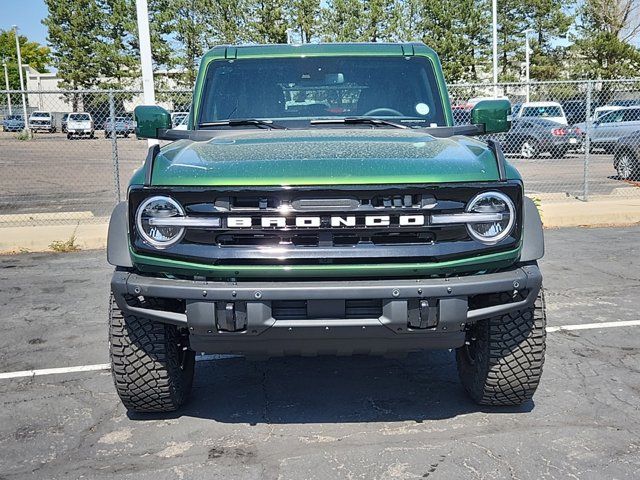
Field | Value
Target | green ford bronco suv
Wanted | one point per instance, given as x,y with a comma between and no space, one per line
322,202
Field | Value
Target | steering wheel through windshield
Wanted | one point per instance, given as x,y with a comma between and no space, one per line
383,111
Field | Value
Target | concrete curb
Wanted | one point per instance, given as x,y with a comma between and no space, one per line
39,238
555,214
596,213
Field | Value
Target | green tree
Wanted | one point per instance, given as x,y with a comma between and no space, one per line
191,32
303,16
511,24
457,31
550,22
379,20
74,33
197,25
117,50
407,20
605,30
360,21
121,51
342,21
33,54
267,21
227,23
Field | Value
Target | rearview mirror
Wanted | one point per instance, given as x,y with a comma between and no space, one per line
493,114
150,119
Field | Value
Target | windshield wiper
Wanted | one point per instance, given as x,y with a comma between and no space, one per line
376,122
238,122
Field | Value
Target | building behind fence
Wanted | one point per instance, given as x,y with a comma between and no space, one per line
53,179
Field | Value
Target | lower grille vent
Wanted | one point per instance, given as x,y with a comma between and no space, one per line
304,310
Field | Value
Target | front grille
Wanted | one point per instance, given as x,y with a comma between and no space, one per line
320,238
347,240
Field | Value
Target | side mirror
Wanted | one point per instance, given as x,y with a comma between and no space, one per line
493,114
150,119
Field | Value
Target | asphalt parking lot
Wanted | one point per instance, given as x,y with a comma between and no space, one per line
53,174
317,418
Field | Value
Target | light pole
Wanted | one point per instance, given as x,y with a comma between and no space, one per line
494,9
526,58
24,100
6,82
148,91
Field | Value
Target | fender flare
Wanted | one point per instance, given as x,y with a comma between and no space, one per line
532,233
118,237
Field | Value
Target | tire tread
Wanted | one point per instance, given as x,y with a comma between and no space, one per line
145,363
510,354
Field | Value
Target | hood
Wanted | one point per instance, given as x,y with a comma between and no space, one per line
323,157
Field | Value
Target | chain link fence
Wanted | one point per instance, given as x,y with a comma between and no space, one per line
73,167
568,139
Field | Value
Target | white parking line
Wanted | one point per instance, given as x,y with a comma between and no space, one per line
591,326
204,358
90,368
52,371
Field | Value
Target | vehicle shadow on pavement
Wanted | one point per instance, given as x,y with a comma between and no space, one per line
422,386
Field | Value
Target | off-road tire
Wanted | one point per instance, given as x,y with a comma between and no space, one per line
151,370
502,363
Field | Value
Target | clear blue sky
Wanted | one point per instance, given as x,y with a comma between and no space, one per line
27,15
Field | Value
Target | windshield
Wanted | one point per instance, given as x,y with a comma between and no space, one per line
40,114
403,89
80,117
14,117
543,112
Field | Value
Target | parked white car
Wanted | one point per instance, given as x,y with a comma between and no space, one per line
80,124
548,110
41,121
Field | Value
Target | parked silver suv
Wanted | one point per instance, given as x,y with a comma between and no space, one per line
609,128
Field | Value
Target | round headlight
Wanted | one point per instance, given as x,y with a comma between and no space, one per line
491,202
159,207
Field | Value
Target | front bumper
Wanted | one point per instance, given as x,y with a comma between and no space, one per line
450,307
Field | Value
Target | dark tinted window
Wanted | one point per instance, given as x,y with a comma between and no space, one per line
80,117
321,87
632,115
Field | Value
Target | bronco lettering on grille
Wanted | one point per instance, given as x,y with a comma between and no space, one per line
330,221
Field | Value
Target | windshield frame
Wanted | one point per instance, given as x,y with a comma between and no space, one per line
436,87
